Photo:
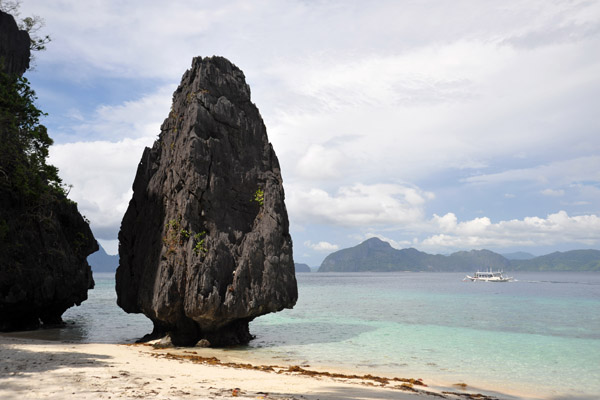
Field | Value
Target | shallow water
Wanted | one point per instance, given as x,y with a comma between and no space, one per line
540,334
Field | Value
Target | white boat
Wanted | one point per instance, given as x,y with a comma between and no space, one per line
489,276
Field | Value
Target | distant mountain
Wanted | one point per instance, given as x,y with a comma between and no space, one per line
574,260
302,268
379,256
102,262
518,255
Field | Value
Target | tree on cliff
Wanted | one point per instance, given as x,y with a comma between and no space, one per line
24,144
31,25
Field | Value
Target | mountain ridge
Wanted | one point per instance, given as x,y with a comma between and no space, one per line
375,255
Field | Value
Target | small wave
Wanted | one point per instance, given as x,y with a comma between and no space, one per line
572,283
562,282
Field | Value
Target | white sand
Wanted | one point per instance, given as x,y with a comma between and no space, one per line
32,369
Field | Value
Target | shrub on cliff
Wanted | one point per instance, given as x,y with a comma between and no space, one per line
24,143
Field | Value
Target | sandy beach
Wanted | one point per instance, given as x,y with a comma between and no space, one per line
35,369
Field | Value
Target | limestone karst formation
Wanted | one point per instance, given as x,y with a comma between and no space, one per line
14,46
44,241
204,245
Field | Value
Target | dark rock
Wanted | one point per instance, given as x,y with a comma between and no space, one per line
204,245
14,46
43,267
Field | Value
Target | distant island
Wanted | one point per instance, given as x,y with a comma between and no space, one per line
100,261
302,267
375,255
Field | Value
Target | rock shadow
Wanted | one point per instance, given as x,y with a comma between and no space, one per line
15,362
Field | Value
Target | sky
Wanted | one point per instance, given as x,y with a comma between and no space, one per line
438,125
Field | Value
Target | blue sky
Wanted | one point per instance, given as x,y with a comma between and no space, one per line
437,125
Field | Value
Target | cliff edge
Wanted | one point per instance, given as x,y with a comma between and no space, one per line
14,46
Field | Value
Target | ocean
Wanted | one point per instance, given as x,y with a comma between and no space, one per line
538,335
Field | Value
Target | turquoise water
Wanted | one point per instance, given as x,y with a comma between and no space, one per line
540,334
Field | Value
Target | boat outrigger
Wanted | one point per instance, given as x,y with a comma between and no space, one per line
489,276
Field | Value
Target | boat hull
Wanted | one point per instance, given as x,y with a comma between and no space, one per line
488,276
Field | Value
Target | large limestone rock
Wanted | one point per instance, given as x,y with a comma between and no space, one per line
44,241
14,46
205,245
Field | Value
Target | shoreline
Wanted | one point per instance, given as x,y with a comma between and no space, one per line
31,368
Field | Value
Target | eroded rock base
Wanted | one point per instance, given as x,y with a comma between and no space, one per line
236,333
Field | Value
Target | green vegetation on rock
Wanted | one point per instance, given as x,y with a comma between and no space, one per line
24,144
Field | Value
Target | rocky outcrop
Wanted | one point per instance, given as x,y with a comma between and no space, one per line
14,46
204,245
43,267
44,241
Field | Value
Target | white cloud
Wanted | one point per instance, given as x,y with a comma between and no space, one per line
585,168
553,192
101,174
109,246
102,171
322,246
350,92
321,163
397,244
139,118
555,229
358,205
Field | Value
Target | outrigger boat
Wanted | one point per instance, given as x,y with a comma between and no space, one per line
489,276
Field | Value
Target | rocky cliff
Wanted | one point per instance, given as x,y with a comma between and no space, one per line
204,245
14,46
43,267
44,241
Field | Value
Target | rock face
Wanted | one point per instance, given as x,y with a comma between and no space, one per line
14,46
204,246
44,241
43,267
